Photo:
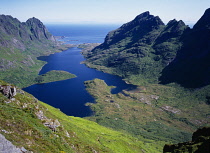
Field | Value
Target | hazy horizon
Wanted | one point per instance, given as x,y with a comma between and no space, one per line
91,12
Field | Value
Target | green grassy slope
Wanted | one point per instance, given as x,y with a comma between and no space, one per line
53,76
155,112
40,128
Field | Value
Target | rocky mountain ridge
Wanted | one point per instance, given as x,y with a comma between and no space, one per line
191,65
19,32
20,45
146,50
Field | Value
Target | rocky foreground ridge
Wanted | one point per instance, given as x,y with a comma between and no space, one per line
146,50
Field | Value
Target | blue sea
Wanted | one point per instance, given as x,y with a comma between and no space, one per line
78,34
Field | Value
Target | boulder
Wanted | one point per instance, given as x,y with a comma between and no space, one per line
8,91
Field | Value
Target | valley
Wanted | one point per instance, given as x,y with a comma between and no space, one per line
145,86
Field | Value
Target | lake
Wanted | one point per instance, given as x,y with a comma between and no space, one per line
70,95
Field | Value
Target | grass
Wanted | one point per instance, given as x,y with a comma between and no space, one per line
23,128
53,76
24,69
160,114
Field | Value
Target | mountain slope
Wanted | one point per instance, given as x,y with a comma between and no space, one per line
138,49
20,45
146,52
191,65
35,126
157,113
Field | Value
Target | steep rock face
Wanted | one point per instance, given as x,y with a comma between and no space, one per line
13,31
16,36
31,28
143,47
191,65
7,147
20,44
10,32
38,30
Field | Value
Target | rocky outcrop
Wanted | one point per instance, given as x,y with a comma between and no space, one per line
7,147
200,143
52,124
8,91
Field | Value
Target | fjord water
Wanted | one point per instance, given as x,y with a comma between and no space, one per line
70,95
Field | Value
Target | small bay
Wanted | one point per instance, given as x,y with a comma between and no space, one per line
70,95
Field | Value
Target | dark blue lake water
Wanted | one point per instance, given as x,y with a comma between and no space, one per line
70,95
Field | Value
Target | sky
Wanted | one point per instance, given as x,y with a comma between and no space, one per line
103,11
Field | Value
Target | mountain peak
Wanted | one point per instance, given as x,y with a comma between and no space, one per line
38,29
204,21
174,21
33,21
145,14
145,19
